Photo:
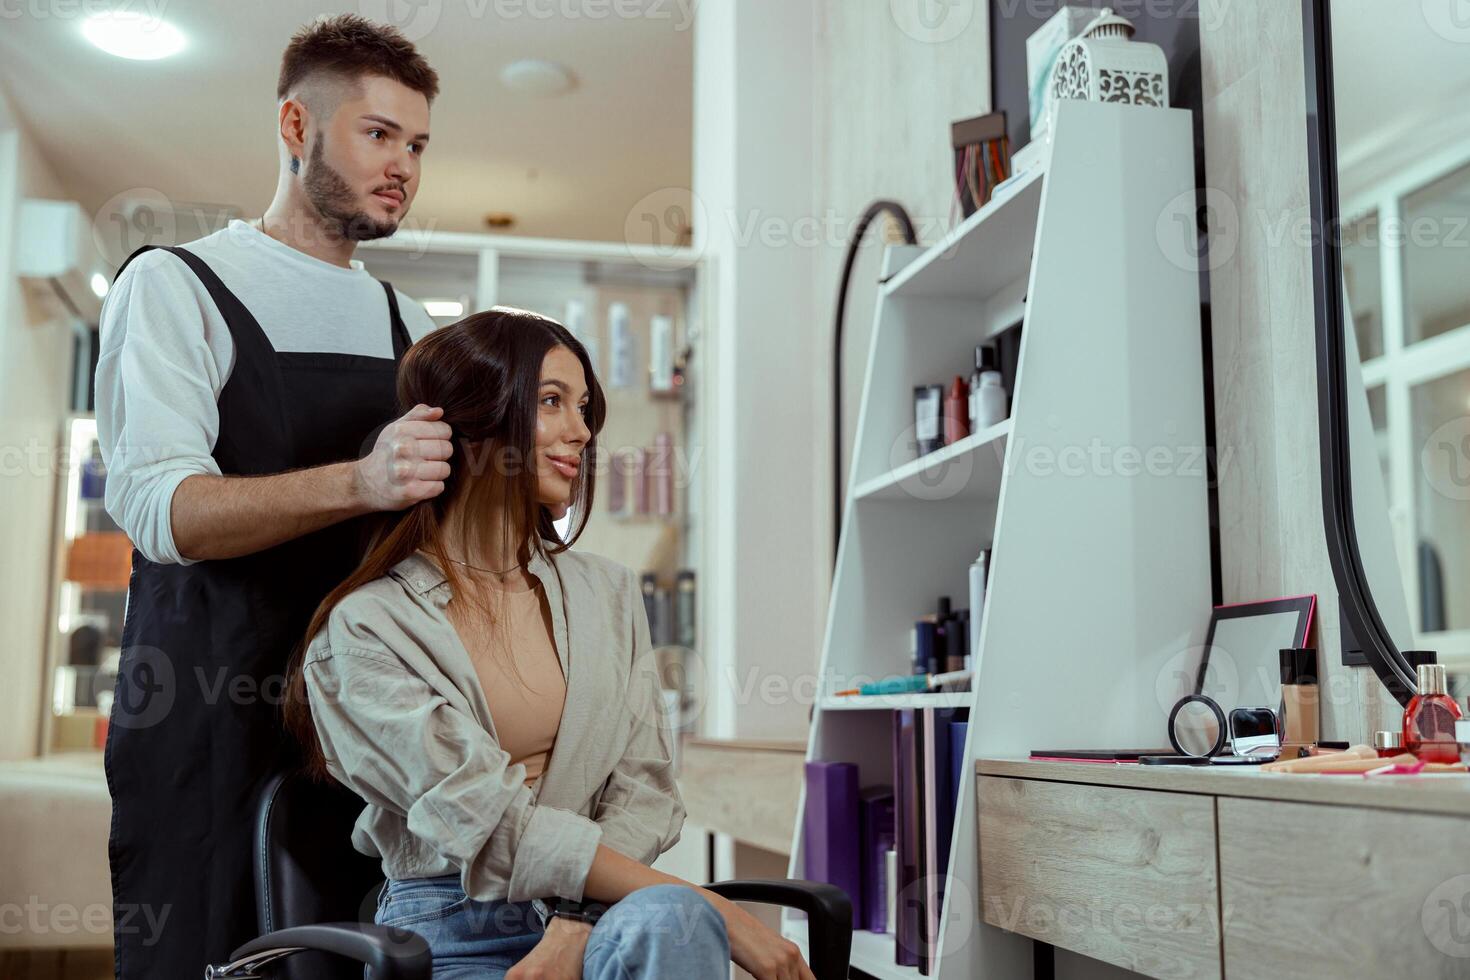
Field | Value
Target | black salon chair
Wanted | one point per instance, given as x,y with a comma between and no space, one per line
315,898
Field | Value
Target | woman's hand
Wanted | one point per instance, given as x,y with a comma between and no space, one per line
759,951
558,956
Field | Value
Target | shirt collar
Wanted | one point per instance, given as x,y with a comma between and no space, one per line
247,232
422,574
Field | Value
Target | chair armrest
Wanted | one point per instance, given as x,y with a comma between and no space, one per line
828,911
392,953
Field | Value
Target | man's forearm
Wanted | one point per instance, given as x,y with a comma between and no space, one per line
217,517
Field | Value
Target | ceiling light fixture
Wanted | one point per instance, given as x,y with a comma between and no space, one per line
133,35
534,76
443,307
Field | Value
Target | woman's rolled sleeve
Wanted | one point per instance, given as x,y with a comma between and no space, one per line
393,739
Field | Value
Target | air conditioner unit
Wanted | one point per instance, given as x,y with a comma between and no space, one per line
55,250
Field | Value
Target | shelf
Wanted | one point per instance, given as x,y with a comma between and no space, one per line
872,952
889,702
969,469
987,250
1078,551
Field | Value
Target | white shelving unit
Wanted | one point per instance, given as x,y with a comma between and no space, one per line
1092,495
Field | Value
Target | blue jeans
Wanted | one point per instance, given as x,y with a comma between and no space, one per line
655,932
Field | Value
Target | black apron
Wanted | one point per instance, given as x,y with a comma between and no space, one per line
196,727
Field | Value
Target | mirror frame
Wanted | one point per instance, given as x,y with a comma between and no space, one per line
1355,597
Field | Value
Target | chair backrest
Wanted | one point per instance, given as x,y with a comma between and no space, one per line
306,870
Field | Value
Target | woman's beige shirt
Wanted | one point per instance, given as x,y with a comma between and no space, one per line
404,722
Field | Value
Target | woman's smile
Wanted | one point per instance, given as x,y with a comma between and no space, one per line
567,466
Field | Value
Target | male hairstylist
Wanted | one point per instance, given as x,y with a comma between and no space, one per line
247,412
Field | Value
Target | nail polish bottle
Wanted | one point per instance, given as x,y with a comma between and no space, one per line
1388,744
1429,720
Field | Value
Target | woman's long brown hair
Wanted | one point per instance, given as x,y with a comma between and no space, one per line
485,372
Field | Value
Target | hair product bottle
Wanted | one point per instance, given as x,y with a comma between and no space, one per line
1429,720
684,606
617,484
620,340
638,476
984,361
956,411
928,410
991,401
977,605
648,583
661,354
661,472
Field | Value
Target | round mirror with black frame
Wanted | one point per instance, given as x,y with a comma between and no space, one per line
1388,127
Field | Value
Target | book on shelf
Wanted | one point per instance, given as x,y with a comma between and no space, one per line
958,730
849,833
907,793
875,821
830,829
924,768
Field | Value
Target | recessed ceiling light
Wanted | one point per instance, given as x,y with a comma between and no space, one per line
536,77
134,35
443,307
99,284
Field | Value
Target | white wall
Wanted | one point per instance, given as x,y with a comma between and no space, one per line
753,124
35,380
1272,537
804,113
887,92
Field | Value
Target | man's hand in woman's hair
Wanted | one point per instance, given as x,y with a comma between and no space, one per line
558,956
408,462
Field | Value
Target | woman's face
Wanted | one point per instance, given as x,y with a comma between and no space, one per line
561,430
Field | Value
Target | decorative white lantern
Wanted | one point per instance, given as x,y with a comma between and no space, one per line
1104,64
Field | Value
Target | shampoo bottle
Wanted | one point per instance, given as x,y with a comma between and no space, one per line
991,402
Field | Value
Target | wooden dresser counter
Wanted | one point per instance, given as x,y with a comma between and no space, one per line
1211,872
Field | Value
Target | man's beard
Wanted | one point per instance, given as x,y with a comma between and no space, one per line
335,202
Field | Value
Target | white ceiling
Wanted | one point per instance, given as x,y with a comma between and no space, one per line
200,127
1395,69
1402,91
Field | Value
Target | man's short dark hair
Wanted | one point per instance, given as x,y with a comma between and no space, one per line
348,47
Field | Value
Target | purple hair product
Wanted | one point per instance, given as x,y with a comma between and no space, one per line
661,472
617,483
638,474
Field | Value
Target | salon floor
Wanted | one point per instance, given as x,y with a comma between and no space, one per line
88,964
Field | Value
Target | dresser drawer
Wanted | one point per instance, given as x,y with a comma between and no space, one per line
1343,892
1122,875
